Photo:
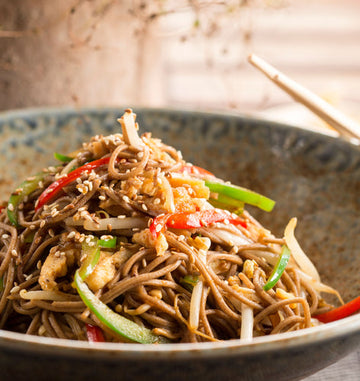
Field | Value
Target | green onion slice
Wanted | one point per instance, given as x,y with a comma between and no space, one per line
278,269
62,158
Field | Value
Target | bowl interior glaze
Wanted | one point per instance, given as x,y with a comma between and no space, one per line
311,176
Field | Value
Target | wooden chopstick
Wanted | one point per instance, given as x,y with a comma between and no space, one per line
346,127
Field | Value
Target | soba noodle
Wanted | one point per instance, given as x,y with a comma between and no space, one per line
95,238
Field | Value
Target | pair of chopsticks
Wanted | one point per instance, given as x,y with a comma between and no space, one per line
346,127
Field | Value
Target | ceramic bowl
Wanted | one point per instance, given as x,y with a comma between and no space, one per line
312,176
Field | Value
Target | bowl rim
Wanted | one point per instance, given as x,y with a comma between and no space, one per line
297,339
175,351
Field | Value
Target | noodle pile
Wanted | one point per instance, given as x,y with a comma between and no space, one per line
204,283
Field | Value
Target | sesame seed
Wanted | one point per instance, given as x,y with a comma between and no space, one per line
157,201
14,253
102,198
126,199
121,216
71,235
32,227
42,223
54,213
106,237
144,207
4,236
11,207
51,233
31,178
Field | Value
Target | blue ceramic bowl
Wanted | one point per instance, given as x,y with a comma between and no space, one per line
312,176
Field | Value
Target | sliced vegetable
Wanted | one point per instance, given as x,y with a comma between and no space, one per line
192,220
1,284
247,322
340,312
94,334
227,203
194,170
298,254
278,269
108,243
242,194
117,323
129,130
189,281
24,189
62,158
195,303
91,253
59,184
116,223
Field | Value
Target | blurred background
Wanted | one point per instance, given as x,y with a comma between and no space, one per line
177,53
182,54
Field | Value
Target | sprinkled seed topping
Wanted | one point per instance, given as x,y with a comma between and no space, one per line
71,235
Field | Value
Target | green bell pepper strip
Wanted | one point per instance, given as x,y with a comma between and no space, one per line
278,269
26,188
91,252
108,243
1,284
62,158
241,194
227,203
117,323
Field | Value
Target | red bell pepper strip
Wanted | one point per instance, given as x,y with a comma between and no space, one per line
58,185
340,312
94,334
192,220
194,170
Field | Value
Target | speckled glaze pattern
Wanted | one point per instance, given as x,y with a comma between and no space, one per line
313,177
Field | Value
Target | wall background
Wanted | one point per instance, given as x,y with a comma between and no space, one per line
185,54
